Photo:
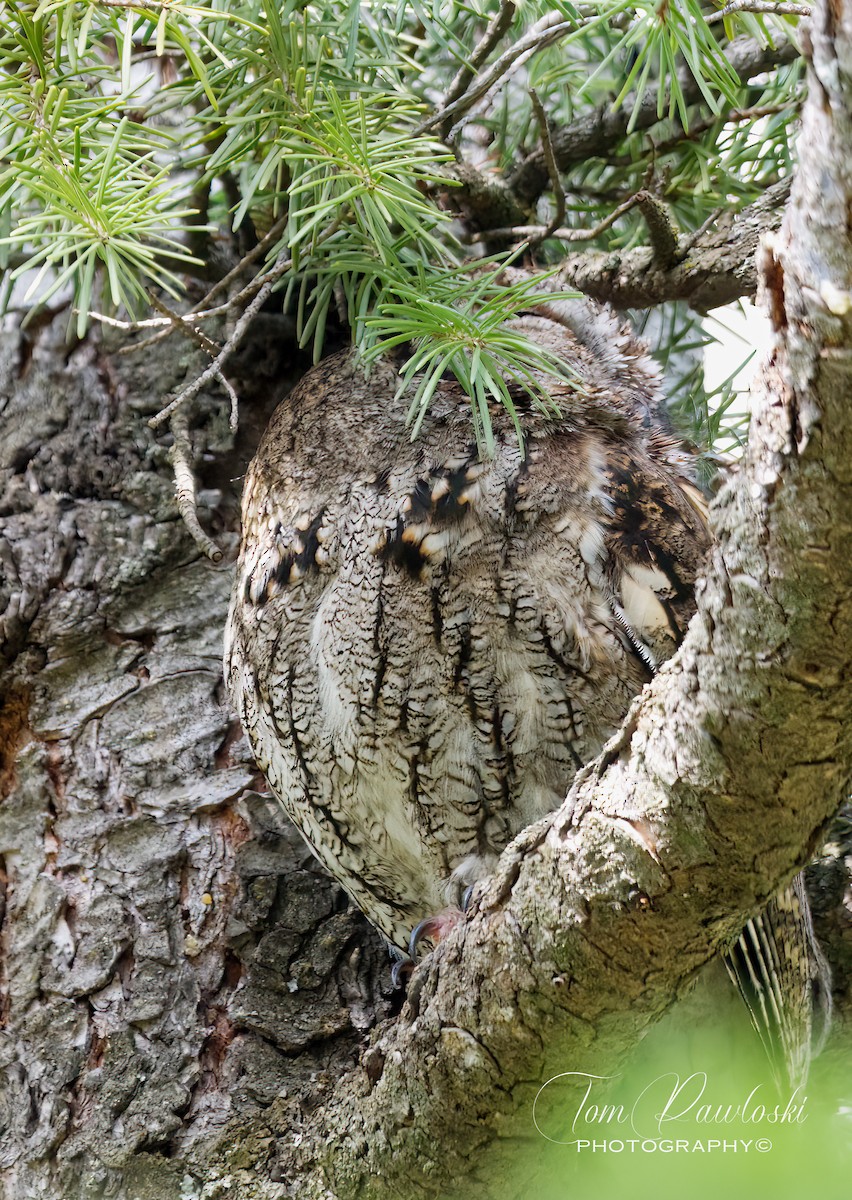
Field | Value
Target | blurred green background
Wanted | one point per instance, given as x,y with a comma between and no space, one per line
708,1032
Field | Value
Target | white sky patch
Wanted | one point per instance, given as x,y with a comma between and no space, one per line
743,335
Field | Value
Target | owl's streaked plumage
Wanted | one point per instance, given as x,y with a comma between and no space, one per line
424,646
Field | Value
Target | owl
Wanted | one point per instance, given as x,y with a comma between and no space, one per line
425,643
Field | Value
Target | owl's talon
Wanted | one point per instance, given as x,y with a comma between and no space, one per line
434,927
420,930
400,971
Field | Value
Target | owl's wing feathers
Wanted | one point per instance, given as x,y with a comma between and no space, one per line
426,646
657,537
785,981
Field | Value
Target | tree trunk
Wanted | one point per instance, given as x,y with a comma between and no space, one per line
173,958
185,995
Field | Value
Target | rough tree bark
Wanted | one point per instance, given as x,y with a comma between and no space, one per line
185,996
173,960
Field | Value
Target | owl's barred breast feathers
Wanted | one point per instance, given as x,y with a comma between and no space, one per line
424,645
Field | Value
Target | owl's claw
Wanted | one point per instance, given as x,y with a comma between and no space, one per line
400,971
434,928
421,929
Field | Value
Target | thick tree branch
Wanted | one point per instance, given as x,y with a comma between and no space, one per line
715,268
592,135
711,797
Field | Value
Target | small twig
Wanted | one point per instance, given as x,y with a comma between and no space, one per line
760,110
552,168
269,239
185,325
521,233
544,33
214,371
689,240
167,324
662,236
181,324
260,288
780,9
234,418
184,322
181,451
164,326
274,273
496,28
146,343
185,487
129,326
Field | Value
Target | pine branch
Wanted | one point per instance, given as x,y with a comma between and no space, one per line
593,134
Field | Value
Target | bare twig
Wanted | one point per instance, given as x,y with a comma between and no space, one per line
257,291
177,410
185,487
269,239
214,371
185,322
496,28
146,343
180,323
690,239
780,9
188,318
129,326
544,33
537,233
234,418
167,325
272,275
260,288
552,168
